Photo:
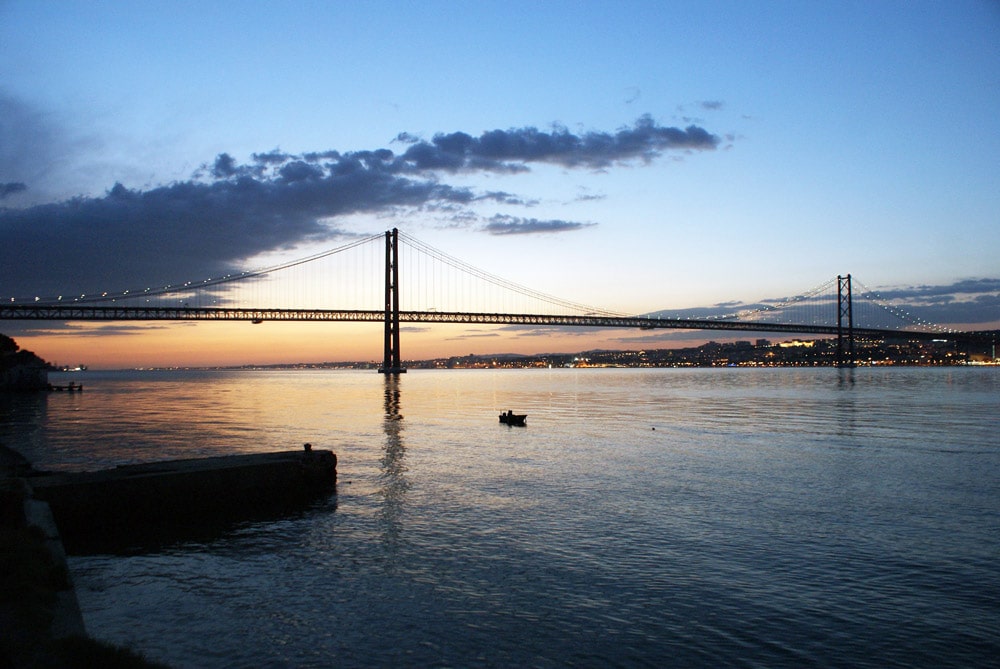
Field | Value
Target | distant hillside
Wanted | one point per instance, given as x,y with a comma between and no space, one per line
19,369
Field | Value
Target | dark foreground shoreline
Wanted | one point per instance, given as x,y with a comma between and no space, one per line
39,615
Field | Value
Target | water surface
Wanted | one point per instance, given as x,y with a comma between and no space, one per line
748,518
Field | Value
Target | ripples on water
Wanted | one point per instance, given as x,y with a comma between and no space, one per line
643,518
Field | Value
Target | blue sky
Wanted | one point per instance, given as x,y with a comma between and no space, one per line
762,147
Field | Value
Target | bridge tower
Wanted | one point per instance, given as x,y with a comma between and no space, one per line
845,310
391,363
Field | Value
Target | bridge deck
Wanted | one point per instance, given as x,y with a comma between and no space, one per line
113,313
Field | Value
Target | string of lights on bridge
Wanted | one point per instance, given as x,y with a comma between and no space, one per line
826,292
881,302
753,314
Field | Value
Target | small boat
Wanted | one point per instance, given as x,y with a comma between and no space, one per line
71,387
511,418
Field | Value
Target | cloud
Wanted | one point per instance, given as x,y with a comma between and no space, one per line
502,224
473,335
967,302
507,198
511,150
225,166
29,145
11,188
40,158
946,292
77,329
188,229
229,212
123,328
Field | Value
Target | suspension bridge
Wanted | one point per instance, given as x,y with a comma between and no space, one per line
361,282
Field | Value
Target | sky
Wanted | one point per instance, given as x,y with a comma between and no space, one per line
637,156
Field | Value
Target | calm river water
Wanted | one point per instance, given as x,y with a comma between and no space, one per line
690,518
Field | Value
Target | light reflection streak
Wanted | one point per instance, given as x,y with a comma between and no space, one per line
392,476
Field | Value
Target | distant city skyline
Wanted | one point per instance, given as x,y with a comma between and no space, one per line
671,157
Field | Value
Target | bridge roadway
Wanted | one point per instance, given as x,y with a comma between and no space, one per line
119,313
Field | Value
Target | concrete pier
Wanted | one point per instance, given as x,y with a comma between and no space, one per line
135,502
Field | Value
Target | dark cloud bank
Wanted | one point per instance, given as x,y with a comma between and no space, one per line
230,211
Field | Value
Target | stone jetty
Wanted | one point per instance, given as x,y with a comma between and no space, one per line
131,503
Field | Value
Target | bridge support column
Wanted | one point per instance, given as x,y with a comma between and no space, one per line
845,310
391,363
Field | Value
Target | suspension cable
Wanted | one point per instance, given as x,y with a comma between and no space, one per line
884,304
214,281
747,314
499,281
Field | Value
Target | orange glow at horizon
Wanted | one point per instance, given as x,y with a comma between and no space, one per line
204,344
224,344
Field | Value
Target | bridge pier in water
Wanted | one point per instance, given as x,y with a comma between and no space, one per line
845,309
391,363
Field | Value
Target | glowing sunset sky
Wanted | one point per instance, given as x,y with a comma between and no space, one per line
632,155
